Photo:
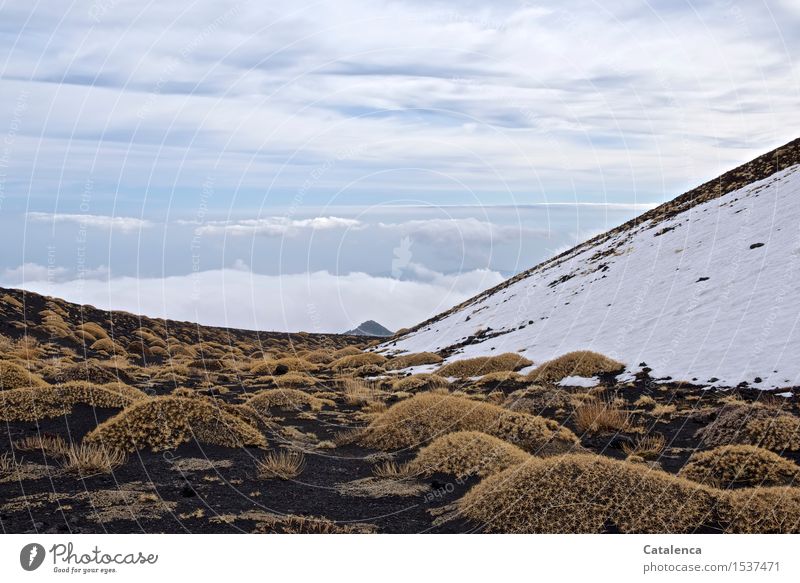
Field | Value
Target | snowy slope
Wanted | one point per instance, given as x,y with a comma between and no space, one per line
709,294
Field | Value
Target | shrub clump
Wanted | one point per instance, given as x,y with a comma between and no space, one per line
482,365
166,422
357,361
740,465
582,363
420,382
281,366
263,401
535,399
587,494
414,359
467,453
773,510
754,424
429,415
14,376
46,402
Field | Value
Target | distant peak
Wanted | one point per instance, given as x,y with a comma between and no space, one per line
370,328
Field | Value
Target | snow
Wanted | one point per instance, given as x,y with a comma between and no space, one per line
584,382
686,296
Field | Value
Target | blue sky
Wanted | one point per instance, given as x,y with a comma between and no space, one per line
157,141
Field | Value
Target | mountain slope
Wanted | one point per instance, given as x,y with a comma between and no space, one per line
702,288
370,328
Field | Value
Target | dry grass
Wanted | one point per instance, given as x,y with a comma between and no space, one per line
424,417
166,422
89,459
535,399
375,487
420,382
289,399
392,470
355,361
740,465
294,380
346,351
358,392
283,465
754,424
8,465
281,366
761,511
482,365
582,363
467,453
45,402
14,376
413,359
599,416
647,446
52,445
291,524
587,494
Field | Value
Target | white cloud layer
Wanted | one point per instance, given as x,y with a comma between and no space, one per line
276,226
314,302
122,224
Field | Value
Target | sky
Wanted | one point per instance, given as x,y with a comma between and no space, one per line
310,165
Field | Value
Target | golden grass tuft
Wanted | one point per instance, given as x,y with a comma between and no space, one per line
283,465
52,445
359,392
413,359
166,422
754,424
420,382
357,361
46,402
346,351
482,365
423,417
90,459
291,524
263,401
599,416
645,446
14,376
293,380
467,453
587,494
281,366
740,465
582,363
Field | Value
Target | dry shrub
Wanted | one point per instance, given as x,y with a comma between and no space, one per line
599,416
320,356
481,365
166,422
282,366
283,465
263,401
587,494
357,360
107,346
494,379
46,402
14,376
291,524
89,459
92,331
368,370
293,380
420,382
427,416
754,424
90,370
8,465
346,351
582,363
52,445
646,446
761,511
740,465
414,359
392,470
535,399
467,453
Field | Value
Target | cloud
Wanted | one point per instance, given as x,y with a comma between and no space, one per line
34,272
461,231
314,302
276,226
123,224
